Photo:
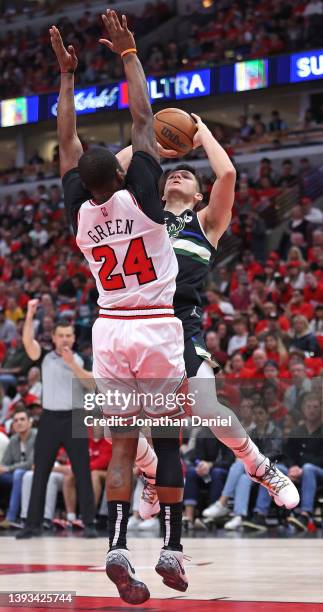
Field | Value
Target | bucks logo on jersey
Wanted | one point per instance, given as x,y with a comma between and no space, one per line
176,227
188,238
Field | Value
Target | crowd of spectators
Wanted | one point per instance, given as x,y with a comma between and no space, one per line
263,322
226,31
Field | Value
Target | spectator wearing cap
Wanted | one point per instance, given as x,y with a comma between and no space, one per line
301,385
302,337
18,458
304,452
239,339
312,214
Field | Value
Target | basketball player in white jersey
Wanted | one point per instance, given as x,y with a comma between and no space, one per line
119,226
195,237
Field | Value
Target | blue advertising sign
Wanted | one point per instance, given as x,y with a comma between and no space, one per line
180,86
89,100
306,66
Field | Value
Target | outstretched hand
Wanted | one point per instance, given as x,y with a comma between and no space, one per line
120,38
66,58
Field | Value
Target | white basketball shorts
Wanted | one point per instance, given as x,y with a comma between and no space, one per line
138,362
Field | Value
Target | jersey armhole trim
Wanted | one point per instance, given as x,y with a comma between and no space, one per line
204,234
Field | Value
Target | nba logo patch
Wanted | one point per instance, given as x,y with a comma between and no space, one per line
104,211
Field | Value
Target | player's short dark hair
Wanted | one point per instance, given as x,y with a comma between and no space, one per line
183,166
97,168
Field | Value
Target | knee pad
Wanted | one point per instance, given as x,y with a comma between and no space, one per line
169,468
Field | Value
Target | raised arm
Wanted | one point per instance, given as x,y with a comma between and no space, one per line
216,217
31,345
122,42
70,148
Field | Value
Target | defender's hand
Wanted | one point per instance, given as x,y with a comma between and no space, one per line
120,38
66,58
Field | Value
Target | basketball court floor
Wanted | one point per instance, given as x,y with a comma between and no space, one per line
226,574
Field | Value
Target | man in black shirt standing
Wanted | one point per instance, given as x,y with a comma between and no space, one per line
304,451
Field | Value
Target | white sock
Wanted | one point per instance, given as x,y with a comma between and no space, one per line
71,516
146,459
251,457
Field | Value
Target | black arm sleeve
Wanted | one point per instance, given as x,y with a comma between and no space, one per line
142,181
74,195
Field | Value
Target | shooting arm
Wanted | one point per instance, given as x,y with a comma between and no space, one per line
216,217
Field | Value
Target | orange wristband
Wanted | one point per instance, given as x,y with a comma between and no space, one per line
134,50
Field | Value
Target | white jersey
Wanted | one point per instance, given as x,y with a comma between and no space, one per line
129,254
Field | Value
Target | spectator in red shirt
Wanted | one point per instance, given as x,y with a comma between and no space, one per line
100,455
297,306
275,349
257,372
274,406
313,290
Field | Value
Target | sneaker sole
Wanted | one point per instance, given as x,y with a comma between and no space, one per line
294,521
130,590
254,526
171,578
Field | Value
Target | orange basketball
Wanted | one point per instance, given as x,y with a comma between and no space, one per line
175,129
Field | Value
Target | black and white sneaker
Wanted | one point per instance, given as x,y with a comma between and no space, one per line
300,521
170,566
119,569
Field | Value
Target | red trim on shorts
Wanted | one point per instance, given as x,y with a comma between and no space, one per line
136,308
153,316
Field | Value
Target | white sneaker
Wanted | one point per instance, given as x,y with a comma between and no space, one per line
149,502
171,567
279,486
234,523
149,525
216,510
133,523
119,569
